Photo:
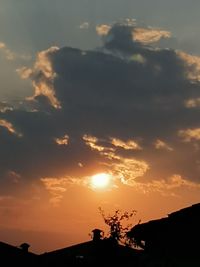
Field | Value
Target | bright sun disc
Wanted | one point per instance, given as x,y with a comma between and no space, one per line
100,180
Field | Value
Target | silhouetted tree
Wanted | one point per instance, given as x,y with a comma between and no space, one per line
116,222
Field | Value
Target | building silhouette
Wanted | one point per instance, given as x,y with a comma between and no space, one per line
17,256
172,241
97,252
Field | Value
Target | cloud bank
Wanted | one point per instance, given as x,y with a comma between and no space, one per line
121,108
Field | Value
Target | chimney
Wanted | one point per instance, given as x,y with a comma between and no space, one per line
24,247
97,234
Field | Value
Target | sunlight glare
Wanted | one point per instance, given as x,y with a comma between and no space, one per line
100,180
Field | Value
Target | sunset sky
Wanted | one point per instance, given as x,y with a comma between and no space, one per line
99,107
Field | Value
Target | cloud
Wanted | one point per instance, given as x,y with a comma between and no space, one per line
64,140
149,35
108,147
124,168
128,172
42,76
56,188
193,103
24,72
170,186
159,144
105,108
189,135
167,186
4,106
84,26
127,169
7,52
129,145
14,177
10,55
2,45
92,141
143,36
9,127
103,29
193,65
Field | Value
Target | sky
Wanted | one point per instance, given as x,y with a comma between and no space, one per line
96,89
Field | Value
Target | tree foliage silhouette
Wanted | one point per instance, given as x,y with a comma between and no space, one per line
116,222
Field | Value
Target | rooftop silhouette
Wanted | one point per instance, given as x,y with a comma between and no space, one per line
174,238
170,241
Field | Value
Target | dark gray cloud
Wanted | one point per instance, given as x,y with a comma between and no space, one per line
125,90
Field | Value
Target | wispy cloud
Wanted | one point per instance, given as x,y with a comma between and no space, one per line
127,169
112,144
159,144
42,76
4,107
84,26
9,127
64,140
24,72
7,52
56,188
14,177
128,145
10,55
166,186
120,166
93,143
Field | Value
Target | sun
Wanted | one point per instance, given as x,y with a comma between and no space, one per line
100,180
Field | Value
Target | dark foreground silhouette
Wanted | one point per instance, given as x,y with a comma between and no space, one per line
172,241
